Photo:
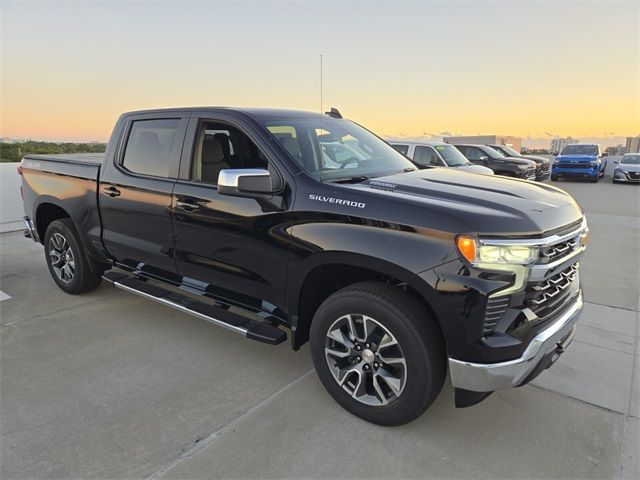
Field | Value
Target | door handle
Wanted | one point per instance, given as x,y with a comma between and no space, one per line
187,206
112,191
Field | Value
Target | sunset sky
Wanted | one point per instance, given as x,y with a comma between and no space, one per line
530,69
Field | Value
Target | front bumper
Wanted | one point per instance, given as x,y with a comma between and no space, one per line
543,350
625,177
576,172
542,172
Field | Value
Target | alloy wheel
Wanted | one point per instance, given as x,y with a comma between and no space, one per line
365,359
62,258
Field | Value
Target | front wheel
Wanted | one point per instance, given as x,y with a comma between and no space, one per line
596,179
66,260
378,352
554,178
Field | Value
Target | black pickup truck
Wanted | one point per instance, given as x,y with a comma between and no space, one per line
501,165
394,275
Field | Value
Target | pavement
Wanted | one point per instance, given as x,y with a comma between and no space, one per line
109,385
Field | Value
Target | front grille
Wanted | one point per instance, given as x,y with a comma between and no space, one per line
574,165
633,175
495,309
546,296
542,168
558,250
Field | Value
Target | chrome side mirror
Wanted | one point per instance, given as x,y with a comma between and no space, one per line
245,182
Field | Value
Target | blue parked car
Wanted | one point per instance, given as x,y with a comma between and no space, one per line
580,160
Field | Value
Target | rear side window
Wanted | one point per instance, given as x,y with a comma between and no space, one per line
151,147
403,149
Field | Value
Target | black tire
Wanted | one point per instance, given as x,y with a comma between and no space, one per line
71,271
554,178
420,343
596,179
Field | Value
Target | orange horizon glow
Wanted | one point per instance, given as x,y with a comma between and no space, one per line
71,79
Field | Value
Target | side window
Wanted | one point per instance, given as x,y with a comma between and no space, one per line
403,149
220,146
151,146
463,150
426,156
473,153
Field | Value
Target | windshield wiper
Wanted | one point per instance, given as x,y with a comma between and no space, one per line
354,179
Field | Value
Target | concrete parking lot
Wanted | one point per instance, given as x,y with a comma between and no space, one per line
110,385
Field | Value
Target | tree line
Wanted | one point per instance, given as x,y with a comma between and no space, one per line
13,152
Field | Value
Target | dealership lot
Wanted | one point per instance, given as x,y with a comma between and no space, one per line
110,385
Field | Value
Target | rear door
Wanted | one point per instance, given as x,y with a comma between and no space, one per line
135,192
233,248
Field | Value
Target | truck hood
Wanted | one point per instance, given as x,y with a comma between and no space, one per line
576,158
539,160
520,160
628,167
481,204
472,168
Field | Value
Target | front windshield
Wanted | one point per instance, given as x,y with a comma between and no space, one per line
492,152
631,160
509,151
580,150
336,150
452,155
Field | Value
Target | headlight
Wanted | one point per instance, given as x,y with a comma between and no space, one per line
594,163
480,252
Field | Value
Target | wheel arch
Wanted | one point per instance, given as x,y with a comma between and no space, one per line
329,272
47,211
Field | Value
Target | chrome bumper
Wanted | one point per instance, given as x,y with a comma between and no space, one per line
31,229
487,377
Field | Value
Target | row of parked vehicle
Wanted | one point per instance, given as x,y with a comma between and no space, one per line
483,159
577,161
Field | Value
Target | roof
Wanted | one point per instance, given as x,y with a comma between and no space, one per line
414,142
251,111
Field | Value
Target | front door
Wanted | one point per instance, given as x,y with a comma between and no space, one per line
234,248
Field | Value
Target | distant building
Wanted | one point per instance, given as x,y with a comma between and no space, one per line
557,144
633,144
513,142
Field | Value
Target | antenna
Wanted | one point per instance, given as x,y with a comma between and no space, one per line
321,89
321,159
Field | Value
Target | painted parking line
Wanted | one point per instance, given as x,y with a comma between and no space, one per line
4,296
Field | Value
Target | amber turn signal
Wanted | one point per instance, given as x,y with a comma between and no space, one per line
467,247
584,238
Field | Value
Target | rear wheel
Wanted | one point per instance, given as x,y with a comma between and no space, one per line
378,352
66,259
